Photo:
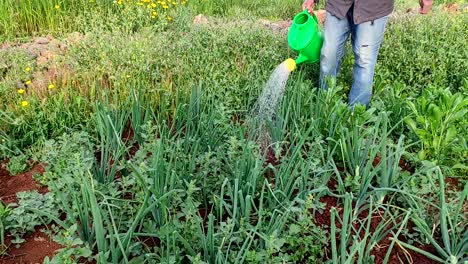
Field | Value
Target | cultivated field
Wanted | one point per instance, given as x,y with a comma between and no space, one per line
124,138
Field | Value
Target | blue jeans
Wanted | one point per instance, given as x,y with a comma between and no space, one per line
366,39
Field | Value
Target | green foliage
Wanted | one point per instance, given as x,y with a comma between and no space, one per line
369,158
68,156
304,241
148,157
238,8
4,212
18,164
24,218
41,120
30,17
167,60
439,120
110,124
424,51
421,183
451,223
73,247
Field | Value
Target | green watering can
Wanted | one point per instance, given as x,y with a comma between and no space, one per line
306,38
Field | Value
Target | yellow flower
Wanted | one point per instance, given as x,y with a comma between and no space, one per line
57,7
51,86
24,103
21,91
153,5
169,18
27,69
28,82
155,13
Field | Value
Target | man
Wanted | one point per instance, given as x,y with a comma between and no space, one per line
365,21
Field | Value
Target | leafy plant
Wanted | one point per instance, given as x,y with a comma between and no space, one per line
23,217
18,164
438,119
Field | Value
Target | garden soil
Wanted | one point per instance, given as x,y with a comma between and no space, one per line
10,185
38,245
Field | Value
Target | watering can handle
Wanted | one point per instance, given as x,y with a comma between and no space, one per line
313,15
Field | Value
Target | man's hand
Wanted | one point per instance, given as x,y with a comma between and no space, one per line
309,6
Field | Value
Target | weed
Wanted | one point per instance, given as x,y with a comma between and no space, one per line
18,164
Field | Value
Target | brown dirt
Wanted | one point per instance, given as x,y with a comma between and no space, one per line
37,246
18,183
324,219
453,183
150,242
127,138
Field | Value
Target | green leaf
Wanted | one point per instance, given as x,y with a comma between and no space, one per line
451,135
294,229
411,123
460,166
422,154
423,134
421,119
436,113
459,115
412,107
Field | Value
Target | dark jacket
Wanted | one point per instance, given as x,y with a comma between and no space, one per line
363,10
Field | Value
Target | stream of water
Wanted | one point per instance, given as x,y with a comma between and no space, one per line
265,108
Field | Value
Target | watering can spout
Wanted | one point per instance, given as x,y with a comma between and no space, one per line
290,64
301,59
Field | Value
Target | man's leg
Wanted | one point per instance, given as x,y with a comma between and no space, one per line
335,35
366,39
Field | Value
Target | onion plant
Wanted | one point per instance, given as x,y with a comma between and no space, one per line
352,237
369,159
110,125
452,223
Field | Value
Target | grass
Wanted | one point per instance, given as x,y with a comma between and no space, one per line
146,144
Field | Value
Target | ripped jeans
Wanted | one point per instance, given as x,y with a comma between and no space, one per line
366,39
